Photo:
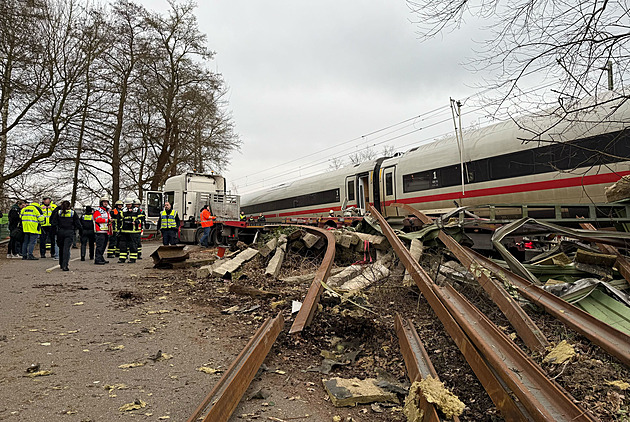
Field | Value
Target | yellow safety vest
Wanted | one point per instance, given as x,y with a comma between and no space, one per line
32,218
168,220
47,212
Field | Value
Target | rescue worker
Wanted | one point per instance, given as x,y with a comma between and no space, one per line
47,239
129,228
87,233
261,218
32,219
137,237
113,249
168,223
242,216
65,221
207,221
102,229
16,234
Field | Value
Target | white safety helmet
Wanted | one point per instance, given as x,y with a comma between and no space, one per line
103,199
128,201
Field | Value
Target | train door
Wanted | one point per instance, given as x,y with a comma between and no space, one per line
363,187
388,190
351,192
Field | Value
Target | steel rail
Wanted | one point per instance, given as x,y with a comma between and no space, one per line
544,399
229,390
309,306
493,385
622,262
418,363
613,341
527,329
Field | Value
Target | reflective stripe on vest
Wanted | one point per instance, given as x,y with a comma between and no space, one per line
47,212
168,220
87,217
31,218
66,214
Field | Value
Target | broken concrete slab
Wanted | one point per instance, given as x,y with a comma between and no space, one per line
275,264
346,274
371,274
304,278
350,392
379,242
415,250
235,263
268,247
310,240
206,270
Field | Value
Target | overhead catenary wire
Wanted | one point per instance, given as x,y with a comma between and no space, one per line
412,121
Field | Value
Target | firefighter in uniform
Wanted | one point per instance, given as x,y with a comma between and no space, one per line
87,233
116,213
32,219
168,224
102,230
138,236
65,221
47,238
129,228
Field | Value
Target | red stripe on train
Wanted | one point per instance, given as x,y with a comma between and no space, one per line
595,179
524,187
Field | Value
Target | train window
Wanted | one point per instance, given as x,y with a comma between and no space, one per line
421,180
350,190
389,184
450,176
516,164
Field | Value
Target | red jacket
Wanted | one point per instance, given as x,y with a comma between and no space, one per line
207,219
102,221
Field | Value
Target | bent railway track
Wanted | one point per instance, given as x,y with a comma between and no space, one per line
539,398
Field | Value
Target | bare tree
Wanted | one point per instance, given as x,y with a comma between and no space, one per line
583,46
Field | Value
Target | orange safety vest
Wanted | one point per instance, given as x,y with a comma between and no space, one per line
207,219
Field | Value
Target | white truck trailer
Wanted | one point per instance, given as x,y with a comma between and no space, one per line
187,193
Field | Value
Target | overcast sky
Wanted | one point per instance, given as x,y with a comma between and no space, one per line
308,80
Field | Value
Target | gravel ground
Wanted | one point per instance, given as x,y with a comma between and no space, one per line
82,325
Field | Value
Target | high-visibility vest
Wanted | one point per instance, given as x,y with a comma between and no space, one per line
101,220
66,214
47,212
32,218
87,217
168,220
207,219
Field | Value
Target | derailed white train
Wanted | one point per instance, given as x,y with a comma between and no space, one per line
571,163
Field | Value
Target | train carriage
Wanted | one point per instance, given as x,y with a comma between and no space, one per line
571,162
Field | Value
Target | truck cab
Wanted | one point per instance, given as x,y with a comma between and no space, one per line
187,193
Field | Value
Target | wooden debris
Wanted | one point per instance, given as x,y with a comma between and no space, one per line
594,258
559,259
235,263
239,289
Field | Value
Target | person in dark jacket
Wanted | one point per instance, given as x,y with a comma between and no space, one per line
87,233
15,230
65,221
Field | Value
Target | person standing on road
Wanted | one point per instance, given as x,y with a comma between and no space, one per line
129,228
87,233
32,219
47,239
207,221
102,230
64,222
137,236
14,249
113,250
167,223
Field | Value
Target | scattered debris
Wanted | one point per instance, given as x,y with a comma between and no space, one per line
131,365
350,392
209,370
435,392
561,353
137,404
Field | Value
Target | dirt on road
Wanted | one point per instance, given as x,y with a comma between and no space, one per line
122,336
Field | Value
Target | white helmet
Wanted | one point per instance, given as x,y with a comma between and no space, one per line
128,200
